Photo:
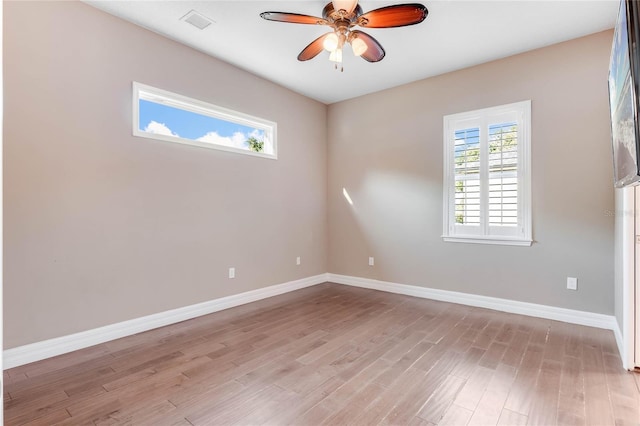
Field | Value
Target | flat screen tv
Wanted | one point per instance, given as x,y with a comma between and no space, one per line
624,69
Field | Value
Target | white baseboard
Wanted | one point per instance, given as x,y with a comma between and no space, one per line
49,348
621,349
523,308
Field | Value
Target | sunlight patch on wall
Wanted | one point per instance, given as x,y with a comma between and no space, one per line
346,196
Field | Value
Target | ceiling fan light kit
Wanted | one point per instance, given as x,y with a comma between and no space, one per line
342,16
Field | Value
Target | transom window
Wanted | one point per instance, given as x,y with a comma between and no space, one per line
166,116
487,175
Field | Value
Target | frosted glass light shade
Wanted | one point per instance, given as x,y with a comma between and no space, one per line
358,46
336,56
346,5
330,42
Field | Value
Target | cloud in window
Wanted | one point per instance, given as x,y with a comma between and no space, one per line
237,140
159,129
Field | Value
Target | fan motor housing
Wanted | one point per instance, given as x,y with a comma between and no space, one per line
330,14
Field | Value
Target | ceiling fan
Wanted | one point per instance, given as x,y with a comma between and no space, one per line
342,16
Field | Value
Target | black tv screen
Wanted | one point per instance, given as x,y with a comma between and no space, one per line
623,92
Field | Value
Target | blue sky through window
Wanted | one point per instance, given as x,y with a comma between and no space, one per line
497,129
166,120
466,139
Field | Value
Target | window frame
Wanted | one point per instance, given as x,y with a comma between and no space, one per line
484,233
185,103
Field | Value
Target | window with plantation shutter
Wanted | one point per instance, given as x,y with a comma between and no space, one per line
487,176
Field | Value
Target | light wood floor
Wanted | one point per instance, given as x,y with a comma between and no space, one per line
333,354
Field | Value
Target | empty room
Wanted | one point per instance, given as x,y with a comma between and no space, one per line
315,212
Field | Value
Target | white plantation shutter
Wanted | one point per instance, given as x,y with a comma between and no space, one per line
503,174
467,176
487,175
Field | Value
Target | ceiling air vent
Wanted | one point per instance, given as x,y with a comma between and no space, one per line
196,19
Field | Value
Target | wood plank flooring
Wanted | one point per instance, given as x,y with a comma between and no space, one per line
332,354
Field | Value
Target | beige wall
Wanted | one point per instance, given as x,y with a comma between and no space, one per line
102,227
386,150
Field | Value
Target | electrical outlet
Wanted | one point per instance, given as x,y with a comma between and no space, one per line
572,283
298,260
371,261
232,272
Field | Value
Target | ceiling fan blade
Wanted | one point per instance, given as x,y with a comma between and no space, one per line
313,49
399,15
293,18
375,52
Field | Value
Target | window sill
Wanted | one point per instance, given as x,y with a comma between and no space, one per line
488,240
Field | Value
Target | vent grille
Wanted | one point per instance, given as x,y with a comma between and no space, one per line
197,19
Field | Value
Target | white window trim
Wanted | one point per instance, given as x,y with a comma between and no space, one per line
450,233
142,91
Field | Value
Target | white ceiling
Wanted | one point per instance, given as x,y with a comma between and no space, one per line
455,35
